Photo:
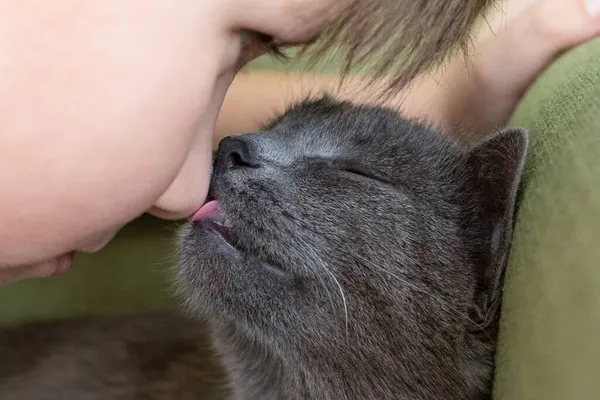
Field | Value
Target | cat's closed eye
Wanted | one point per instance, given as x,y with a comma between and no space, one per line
358,171
345,166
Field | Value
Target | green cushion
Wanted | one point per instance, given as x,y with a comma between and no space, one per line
549,341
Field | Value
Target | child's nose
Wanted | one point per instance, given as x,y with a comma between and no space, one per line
189,189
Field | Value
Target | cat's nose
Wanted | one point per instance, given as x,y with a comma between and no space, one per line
236,152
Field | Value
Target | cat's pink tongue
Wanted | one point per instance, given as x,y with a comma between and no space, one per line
210,209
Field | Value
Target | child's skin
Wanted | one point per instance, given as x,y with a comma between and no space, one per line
107,112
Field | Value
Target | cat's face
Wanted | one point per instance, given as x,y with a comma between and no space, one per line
349,235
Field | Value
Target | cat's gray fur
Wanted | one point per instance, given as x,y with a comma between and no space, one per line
365,260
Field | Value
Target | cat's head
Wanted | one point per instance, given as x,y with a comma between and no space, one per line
352,237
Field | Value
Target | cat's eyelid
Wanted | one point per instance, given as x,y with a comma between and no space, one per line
351,167
346,166
358,172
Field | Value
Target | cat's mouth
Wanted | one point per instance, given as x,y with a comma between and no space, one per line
210,217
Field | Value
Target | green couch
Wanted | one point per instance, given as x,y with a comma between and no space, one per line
551,316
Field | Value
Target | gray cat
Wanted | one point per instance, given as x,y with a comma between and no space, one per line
346,253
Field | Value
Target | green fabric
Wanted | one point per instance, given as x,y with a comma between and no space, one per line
131,273
549,343
551,315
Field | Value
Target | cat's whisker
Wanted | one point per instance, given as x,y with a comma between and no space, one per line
323,266
326,288
341,293
331,274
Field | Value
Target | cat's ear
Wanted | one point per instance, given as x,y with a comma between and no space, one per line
497,163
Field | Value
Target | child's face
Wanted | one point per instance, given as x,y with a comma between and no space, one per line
110,112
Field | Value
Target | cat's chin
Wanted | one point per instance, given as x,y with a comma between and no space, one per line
215,228
212,236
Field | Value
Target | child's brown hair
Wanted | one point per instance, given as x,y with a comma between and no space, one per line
401,38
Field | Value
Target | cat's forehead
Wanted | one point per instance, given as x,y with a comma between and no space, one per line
302,141
329,130
332,130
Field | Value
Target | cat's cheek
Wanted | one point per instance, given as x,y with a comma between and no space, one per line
204,256
222,284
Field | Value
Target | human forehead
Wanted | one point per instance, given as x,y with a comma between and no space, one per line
287,21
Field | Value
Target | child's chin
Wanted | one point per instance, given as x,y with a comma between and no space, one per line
98,243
